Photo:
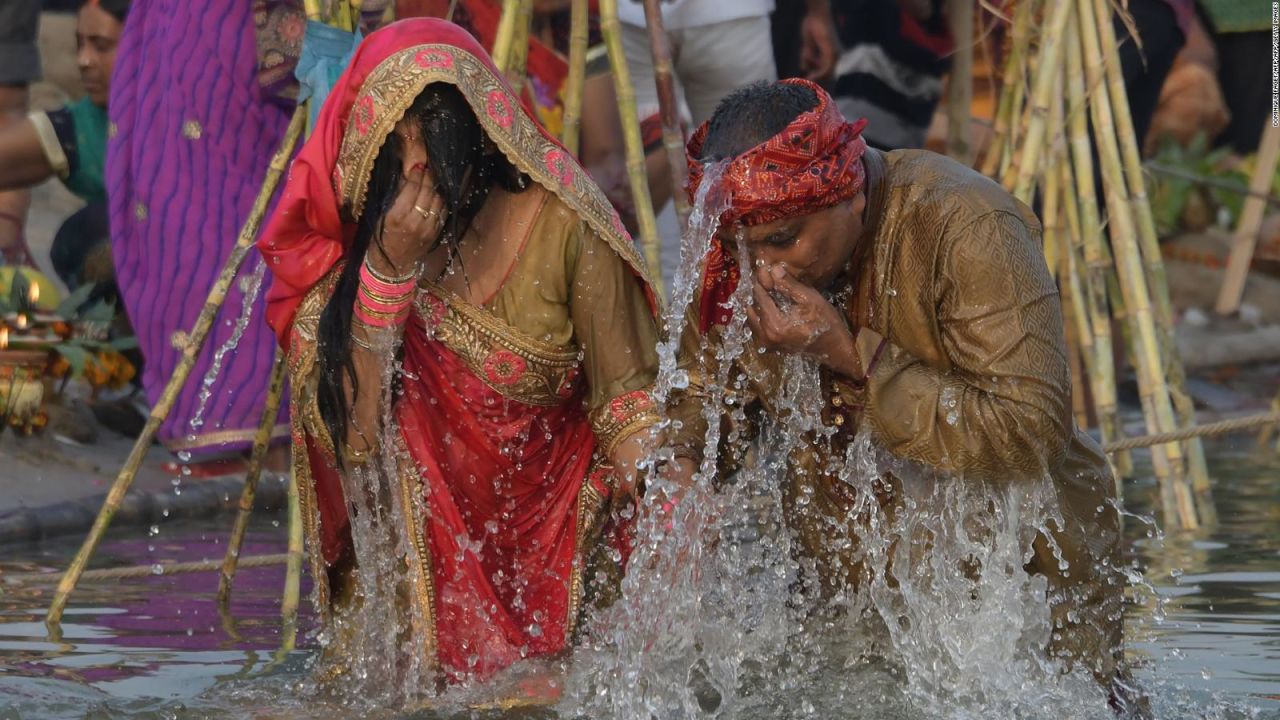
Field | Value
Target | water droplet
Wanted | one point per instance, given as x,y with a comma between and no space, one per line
157,569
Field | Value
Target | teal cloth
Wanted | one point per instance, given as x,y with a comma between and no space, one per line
1233,16
90,122
326,51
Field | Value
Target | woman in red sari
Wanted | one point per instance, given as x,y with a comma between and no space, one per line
429,217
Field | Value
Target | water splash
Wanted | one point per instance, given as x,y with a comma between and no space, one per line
250,286
725,614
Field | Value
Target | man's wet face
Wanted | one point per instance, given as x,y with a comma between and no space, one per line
815,248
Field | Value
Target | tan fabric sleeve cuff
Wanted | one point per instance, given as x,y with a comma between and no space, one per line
622,417
49,143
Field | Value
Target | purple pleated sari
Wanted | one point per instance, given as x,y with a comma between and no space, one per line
191,137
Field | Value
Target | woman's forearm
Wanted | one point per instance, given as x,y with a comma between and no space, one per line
377,327
22,159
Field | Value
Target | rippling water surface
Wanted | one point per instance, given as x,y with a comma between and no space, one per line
157,647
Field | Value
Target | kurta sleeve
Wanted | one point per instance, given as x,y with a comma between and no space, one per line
1001,410
618,337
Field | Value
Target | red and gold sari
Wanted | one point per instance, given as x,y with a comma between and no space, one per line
509,409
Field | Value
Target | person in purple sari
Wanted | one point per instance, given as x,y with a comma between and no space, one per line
200,99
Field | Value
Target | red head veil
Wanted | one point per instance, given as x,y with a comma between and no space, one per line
814,163
325,193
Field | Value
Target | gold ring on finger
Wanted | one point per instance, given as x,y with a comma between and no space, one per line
424,213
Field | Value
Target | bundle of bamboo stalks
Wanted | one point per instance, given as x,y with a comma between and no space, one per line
1062,106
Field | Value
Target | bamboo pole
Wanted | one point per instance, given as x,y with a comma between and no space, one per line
960,82
1089,241
1020,177
576,81
199,334
1246,235
1010,96
293,569
1152,384
1051,201
1075,288
518,62
1149,243
636,170
260,442
668,110
508,54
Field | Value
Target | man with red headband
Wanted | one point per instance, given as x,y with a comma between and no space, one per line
920,289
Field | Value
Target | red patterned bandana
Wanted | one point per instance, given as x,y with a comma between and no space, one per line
814,163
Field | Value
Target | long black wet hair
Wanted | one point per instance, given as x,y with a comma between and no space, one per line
465,168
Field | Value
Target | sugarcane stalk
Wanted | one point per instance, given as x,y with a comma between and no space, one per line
312,9
668,110
199,334
960,82
1022,171
1051,218
636,171
1245,238
1010,103
1051,207
1152,384
517,72
1061,222
1149,243
1264,435
1097,260
261,440
508,54
577,79
293,569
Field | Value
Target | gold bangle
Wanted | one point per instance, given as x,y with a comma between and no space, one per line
356,457
363,343
385,299
382,314
412,275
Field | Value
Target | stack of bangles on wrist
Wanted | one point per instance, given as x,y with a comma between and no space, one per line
383,302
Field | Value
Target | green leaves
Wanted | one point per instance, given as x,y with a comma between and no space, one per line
77,356
73,301
19,292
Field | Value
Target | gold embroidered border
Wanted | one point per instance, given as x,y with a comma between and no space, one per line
393,85
303,357
590,519
634,412
310,515
222,437
476,334
411,487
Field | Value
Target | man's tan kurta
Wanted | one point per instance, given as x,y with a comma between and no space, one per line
972,380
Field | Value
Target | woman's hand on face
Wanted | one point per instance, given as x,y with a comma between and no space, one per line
414,222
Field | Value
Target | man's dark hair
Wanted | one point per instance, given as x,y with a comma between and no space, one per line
752,114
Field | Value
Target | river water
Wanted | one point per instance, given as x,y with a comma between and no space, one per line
1205,644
